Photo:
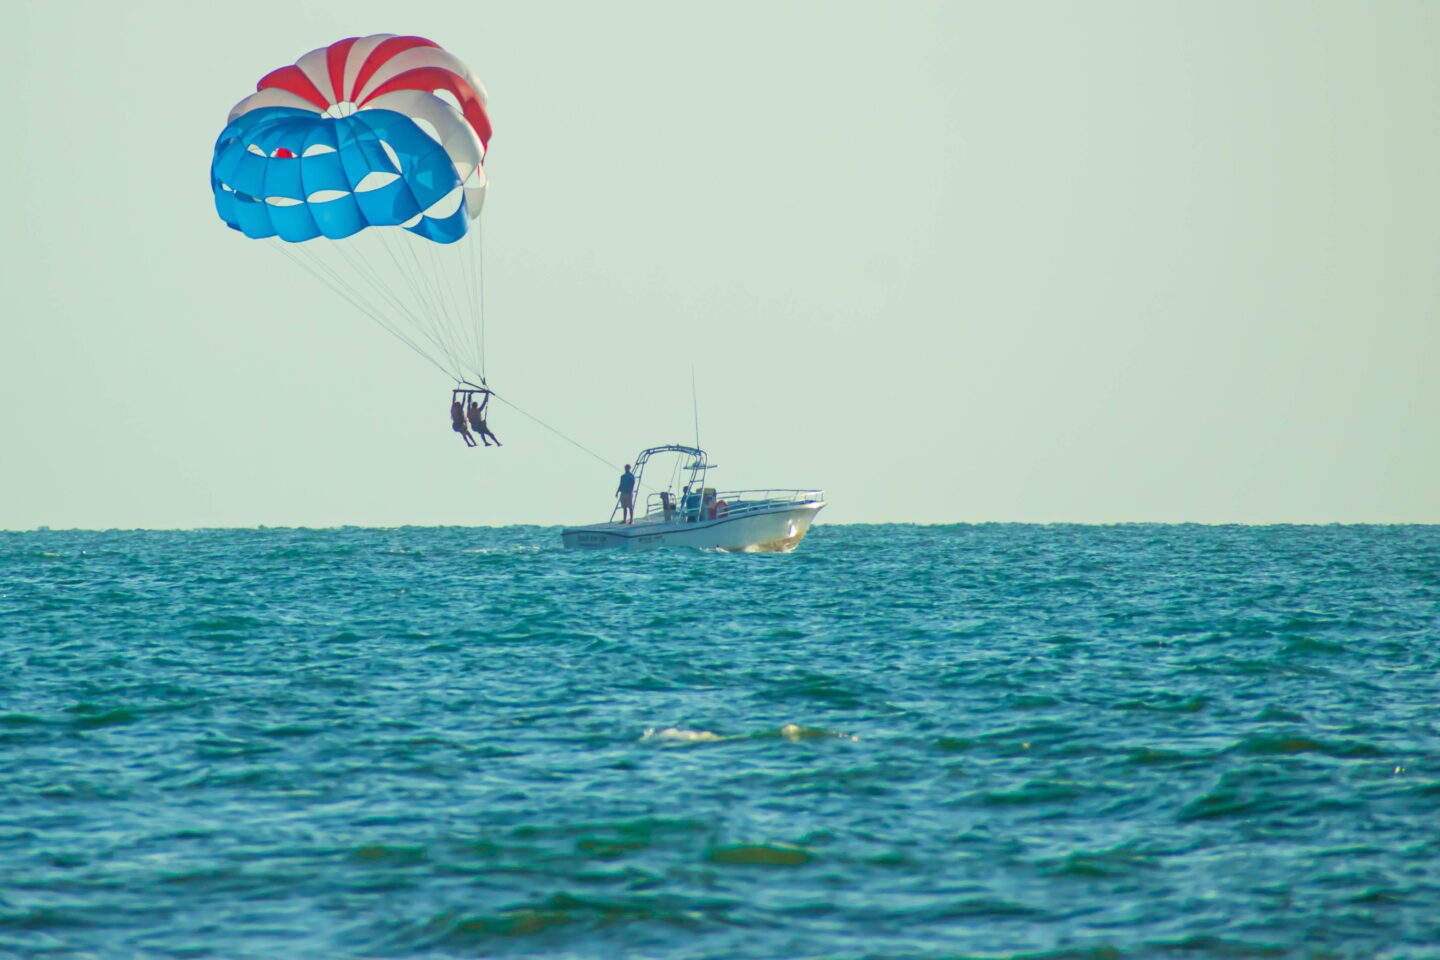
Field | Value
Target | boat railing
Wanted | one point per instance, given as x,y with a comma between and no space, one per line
727,503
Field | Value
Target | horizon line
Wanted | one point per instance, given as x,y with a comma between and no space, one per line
45,528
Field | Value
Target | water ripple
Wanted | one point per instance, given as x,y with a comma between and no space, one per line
901,742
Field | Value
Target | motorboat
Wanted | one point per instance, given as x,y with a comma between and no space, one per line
693,514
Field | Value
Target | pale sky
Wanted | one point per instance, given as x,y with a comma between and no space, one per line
950,261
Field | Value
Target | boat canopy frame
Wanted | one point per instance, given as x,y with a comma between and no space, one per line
698,503
699,464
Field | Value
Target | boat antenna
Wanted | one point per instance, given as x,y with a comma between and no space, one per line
695,406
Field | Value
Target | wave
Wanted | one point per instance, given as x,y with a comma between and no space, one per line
1290,745
760,854
1168,703
1114,862
793,732
468,931
1036,792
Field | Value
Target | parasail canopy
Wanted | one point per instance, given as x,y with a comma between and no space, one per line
377,143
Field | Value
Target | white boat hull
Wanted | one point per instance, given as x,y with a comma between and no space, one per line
777,530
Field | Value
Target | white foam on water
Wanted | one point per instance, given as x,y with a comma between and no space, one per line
675,735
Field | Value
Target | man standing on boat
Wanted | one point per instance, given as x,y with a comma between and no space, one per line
626,492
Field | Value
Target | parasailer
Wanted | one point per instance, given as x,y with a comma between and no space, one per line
476,414
373,148
457,422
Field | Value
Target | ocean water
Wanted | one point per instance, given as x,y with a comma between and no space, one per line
899,741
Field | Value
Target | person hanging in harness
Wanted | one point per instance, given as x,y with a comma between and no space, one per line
626,493
457,422
477,420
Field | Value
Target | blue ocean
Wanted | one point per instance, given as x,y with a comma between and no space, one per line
897,742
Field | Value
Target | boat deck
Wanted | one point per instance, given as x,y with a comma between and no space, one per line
729,505
766,521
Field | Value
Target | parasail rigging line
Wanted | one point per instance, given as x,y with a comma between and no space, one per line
454,327
467,301
437,277
435,334
440,309
338,287
448,304
568,439
425,294
327,274
466,279
478,255
317,267
452,336
476,328
376,310
361,265
448,280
